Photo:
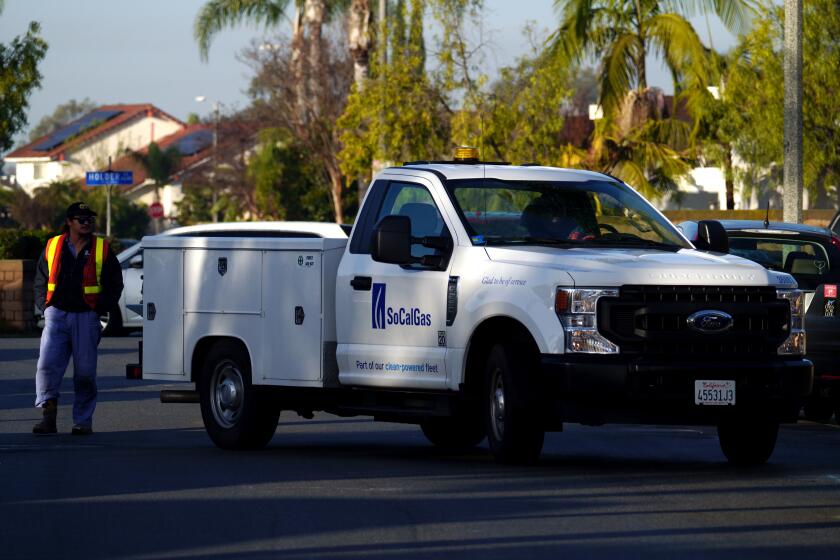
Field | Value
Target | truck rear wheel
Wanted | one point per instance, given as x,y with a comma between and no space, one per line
455,434
748,442
513,428
236,414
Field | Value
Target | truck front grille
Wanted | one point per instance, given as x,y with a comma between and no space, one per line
653,321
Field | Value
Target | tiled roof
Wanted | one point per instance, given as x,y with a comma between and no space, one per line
234,136
128,163
126,113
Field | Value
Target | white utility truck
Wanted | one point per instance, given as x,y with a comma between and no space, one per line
480,300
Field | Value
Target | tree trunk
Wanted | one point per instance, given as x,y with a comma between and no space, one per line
359,40
297,59
638,107
336,185
728,177
313,15
358,37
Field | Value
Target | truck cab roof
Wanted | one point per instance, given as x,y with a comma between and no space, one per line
455,171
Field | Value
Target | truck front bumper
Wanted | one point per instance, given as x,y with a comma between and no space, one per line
600,389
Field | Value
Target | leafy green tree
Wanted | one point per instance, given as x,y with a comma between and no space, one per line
522,116
63,114
398,115
216,15
284,180
46,207
19,76
621,33
755,97
159,164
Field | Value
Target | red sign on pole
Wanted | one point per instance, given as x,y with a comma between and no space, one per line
156,210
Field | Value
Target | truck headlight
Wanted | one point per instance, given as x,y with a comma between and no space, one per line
576,309
795,343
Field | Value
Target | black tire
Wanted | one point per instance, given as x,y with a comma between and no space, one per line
511,405
818,410
747,443
458,433
236,414
112,324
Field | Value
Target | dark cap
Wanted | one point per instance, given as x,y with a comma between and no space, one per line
79,209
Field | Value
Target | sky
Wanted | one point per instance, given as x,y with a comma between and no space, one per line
124,51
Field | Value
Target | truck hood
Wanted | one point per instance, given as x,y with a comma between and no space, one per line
604,267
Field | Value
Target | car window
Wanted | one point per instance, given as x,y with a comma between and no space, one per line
414,201
798,257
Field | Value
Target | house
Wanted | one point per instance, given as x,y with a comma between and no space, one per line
194,144
86,143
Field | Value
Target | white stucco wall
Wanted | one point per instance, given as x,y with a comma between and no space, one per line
169,195
703,189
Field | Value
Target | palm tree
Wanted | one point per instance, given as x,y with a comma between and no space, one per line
216,15
623,32
159,165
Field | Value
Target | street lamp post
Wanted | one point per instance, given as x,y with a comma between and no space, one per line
213,193
793,182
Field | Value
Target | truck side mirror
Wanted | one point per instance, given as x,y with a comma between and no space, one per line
712,237
391,241
136,261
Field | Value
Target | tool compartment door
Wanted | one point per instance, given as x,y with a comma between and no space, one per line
163,313
292,292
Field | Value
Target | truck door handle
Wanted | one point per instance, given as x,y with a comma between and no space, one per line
361,283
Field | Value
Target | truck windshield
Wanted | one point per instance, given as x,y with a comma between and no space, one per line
563,214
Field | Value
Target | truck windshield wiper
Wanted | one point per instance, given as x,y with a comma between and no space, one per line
631,240
529,240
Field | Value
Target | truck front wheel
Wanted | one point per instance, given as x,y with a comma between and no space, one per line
513,428
748,442
236,414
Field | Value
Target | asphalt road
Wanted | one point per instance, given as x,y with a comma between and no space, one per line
150,484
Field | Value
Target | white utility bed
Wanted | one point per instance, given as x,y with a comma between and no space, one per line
275,294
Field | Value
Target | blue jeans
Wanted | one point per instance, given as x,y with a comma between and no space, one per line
67,334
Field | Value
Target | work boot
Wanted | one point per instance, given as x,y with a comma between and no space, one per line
80,430
47,423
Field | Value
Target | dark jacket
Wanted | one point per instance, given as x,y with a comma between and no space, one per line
68,295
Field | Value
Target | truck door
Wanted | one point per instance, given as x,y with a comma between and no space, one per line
391,319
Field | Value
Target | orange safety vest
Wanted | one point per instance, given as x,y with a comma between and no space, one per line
92,275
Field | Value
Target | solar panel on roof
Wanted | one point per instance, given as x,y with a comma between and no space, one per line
194,142
76,127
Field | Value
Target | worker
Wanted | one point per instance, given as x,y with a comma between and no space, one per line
77,280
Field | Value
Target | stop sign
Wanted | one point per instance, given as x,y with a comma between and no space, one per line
156,210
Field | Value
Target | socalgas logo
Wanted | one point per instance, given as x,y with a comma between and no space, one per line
382,315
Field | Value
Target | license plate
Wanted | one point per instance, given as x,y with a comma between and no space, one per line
714,392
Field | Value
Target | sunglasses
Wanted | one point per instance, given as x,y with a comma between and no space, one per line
85,219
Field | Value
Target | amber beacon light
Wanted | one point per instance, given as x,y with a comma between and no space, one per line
466,153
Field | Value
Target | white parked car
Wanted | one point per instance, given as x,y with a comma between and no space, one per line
128,313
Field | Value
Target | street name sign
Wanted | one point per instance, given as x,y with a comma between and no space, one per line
103,178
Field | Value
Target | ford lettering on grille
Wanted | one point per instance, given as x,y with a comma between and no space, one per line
710,321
